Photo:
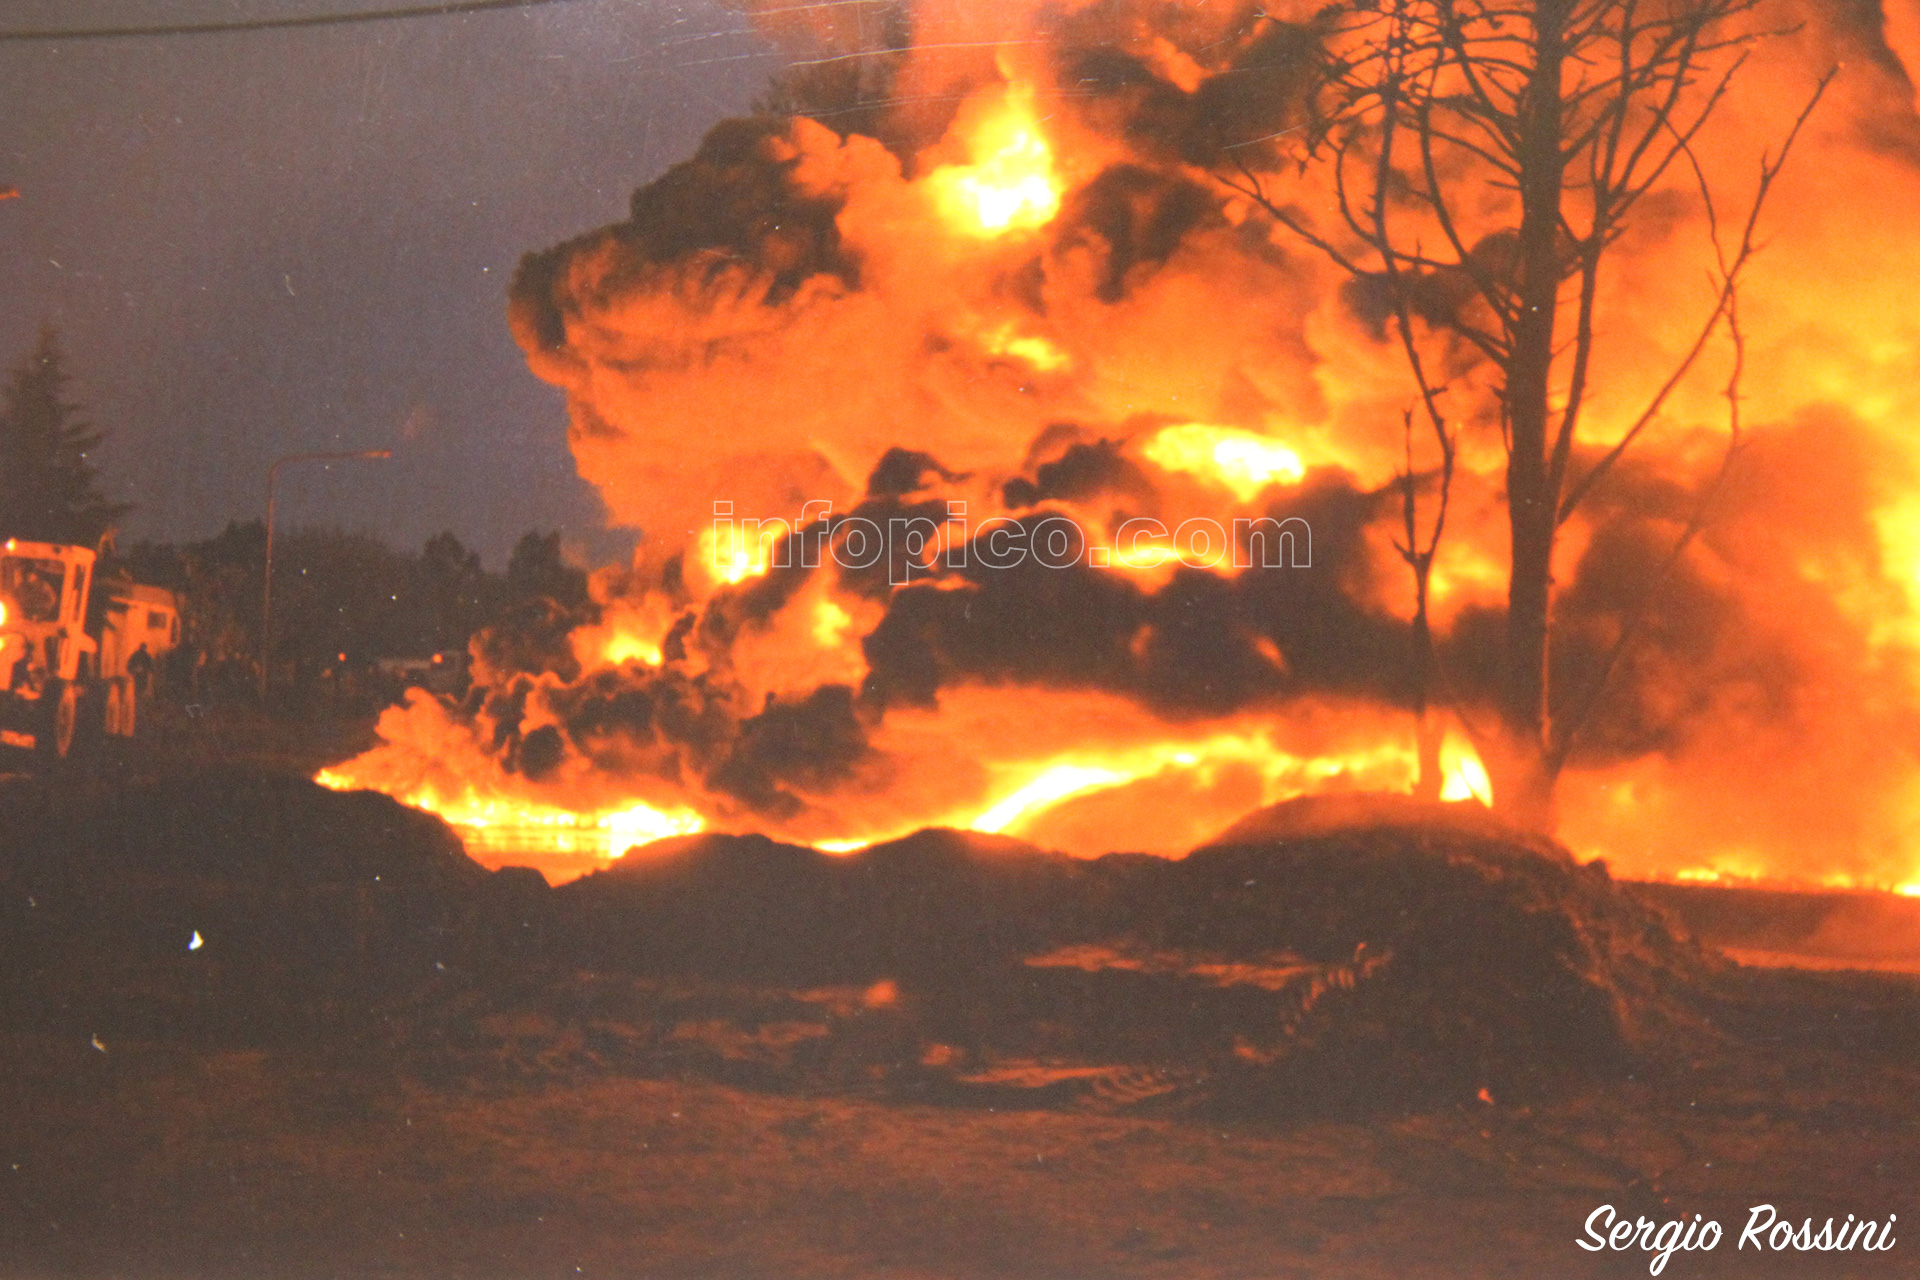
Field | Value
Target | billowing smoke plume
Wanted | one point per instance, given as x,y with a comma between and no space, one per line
974,282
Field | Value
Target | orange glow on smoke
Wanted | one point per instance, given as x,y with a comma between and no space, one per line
629,631
1010,184
1043,269
1030,348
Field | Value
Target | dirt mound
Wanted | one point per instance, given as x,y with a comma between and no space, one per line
231,905
745,908
1317,956
1330,952
1335,812
1499,958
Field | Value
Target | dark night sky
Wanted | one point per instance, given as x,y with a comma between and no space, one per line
260,243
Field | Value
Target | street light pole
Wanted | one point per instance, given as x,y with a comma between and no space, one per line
266,591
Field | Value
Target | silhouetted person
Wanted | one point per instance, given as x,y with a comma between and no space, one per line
140,667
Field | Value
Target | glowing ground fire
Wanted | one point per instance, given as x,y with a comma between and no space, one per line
606,833
1034,798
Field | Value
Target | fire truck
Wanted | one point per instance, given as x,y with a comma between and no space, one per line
58,662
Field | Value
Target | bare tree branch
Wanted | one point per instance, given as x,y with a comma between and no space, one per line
1729,272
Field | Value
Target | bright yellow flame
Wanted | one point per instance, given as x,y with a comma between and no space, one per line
1464,572
620,828
1010,185
1146,546
642,822
1242,461
1465,778
624,647
1899,527
830,624
735,551
1054,784
1725,869
1282,775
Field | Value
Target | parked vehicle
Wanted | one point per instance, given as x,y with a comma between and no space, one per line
52,665
141,627
443,672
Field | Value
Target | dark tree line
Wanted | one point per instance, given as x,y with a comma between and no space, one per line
340,595
337,595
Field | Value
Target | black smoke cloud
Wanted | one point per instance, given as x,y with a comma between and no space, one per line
1196,644
685,730
1200,644
1253,89
733,205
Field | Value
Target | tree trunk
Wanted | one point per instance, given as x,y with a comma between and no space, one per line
1427,730
1428,734
1524,793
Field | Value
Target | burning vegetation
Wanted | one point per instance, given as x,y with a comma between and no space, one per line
1220,318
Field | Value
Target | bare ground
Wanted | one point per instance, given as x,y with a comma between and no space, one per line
538,1152
144,1161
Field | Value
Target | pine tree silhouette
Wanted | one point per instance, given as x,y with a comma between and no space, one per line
49,487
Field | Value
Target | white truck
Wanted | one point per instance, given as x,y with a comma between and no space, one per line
51,665
139,618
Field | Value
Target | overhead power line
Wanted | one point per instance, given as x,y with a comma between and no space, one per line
447,9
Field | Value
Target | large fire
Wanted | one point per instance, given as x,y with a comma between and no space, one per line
1028,317
1009,182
